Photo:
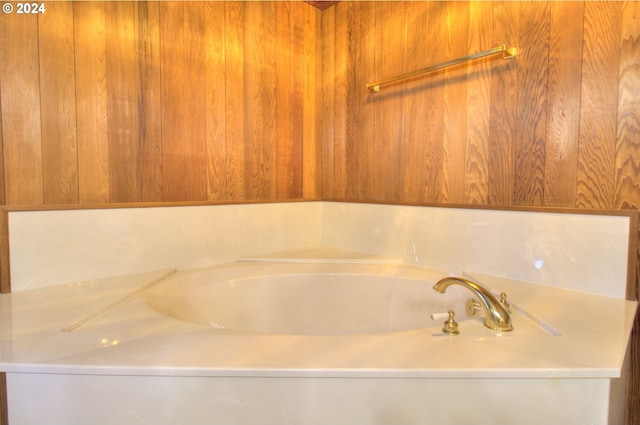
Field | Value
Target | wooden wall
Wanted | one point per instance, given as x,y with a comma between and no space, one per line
559,125
106,102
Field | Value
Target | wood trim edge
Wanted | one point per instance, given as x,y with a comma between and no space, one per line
4,405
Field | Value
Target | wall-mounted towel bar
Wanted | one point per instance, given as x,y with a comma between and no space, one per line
507,52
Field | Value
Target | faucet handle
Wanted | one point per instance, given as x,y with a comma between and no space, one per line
504,303
473,307
450,325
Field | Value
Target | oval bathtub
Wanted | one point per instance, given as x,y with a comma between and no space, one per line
306,299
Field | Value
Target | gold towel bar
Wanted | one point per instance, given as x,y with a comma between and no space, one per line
508,52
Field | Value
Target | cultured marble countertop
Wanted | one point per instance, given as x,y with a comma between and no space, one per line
104,327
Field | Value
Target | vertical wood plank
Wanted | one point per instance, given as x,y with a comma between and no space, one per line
476,174
259,78
5,272
291,172
149,144
215,52
123,93
89,27
183,102
352,113
418,106
21,124
386,126
194,125
328,82
532,79
340,102
455,102
504,98
235,144
627,194
289,104
432,185
360,139
4,408
312,157
58,104
357,179
600,68
174,177
563,113
2,197
283,97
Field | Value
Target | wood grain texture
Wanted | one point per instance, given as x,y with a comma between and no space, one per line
627,165
289,39
504,98
4,408
236,173
149,143
259,89
2,198
91,101
313,110
146,101
215,51
123,100
338,142
476,172
328,84
532,79
386,114
21,124
57,104
419,114
456,106
599,99
563,112
354,111
183,129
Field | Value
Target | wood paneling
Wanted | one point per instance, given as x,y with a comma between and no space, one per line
599,99
105,102
556,126
215,63
21,123
91,101
628,117
57,105
149,143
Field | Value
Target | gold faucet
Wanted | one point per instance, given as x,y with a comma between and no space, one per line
498,318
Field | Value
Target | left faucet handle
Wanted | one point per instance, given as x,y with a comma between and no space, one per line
450,325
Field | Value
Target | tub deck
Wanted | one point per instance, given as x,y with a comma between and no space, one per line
122,358
129,338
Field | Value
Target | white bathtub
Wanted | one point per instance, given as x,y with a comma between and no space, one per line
306,342
308,299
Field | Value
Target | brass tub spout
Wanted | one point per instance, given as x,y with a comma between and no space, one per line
498,318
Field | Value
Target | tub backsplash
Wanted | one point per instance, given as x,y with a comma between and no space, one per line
576,251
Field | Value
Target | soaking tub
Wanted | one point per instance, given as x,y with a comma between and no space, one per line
307,299
318,341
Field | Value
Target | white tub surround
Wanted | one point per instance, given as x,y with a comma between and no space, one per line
127,363
585,252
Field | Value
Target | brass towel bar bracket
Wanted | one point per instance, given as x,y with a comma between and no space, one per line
507,52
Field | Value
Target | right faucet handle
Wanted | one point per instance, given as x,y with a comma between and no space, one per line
473,307
504,303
